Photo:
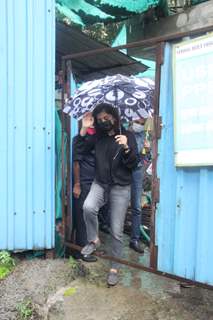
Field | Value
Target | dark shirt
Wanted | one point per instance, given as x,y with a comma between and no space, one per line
86,161
112,165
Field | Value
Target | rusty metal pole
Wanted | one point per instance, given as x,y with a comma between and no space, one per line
142,43
62,150
156,136
143,268
68,223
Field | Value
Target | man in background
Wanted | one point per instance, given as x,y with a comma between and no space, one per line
84,172
137,127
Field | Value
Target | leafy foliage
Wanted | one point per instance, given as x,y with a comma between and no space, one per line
7,263
25,310
103,33
73,263
6,259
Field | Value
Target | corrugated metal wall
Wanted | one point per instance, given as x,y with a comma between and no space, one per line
27,61
185,214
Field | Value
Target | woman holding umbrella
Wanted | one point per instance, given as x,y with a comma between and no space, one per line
116,156
116,152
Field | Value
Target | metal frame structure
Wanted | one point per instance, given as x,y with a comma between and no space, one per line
158,42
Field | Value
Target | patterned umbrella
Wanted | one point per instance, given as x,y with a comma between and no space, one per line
132,96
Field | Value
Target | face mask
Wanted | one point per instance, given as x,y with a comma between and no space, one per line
105,125
137,128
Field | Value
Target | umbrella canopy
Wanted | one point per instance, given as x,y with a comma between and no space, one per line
132,96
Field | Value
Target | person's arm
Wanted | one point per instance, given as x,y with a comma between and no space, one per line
77,157
130,156
77,185
84,142
87,122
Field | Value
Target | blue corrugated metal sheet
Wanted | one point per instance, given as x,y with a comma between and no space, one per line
73,133
27,53
184,217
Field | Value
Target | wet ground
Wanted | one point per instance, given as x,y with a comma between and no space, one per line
128,254
59,289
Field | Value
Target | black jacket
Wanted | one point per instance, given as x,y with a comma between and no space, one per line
112,165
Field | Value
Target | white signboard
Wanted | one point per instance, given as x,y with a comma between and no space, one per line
193,101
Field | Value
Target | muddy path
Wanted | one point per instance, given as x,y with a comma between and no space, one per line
59,290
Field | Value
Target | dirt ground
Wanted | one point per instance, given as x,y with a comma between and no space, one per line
60,290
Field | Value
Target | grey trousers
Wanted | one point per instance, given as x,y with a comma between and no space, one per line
118,199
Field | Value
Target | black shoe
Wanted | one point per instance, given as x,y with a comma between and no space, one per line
89,258
135,245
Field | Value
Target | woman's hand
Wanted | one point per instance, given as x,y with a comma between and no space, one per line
122,139
87,122
76,190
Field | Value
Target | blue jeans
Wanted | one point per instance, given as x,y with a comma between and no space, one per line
136,194
118,200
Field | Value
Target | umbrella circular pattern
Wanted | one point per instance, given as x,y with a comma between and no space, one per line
131,95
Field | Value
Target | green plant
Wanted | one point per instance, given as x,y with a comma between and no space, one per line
7,263
6,259
25,309
4,271
73,264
